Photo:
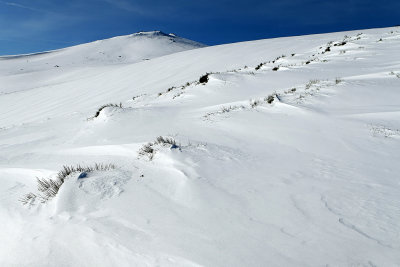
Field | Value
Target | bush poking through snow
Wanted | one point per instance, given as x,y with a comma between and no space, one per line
340,44
49,188
291,91
204,79
396,74
338,80
224,110
259,66
384,131
148,149
165,141
106,106
311,83
227,109
28,198
269,99
275,68
254,103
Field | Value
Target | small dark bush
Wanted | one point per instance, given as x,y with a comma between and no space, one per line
259,66
275,68
328,49
340,44
204,79
226,109
269,99
338,80
254,103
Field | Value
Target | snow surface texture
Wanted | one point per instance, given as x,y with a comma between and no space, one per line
310,179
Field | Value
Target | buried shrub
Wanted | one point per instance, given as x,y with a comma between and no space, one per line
269,99
149,151
340,44
204,79
275,68
254,103
338,80
28,198
224,110
395,74
259,66
49,188
106,106
165,141
311,83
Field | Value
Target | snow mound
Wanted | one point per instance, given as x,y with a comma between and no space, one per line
86,194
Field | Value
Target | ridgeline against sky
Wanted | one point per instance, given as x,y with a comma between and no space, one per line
33,26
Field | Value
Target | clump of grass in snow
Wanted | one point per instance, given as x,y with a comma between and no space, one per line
291,90
49,188
311,83
223,110
259,66
28,198
254,103
106,106
340,43
165,140
269,99
396,74
149,150
338,80
227,109
384,131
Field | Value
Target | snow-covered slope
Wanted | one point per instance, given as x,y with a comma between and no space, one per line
309,179
22,72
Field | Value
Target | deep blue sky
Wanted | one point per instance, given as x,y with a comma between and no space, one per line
38,25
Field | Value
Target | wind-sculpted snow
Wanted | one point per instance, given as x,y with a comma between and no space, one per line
280,152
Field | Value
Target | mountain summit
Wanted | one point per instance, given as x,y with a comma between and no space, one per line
117,50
